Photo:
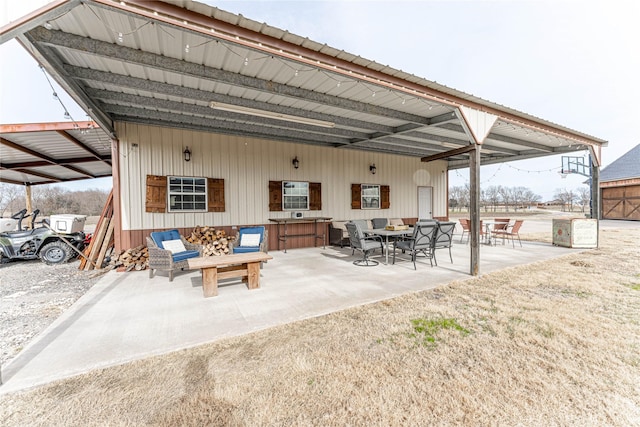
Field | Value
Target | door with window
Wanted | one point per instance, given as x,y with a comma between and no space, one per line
425,195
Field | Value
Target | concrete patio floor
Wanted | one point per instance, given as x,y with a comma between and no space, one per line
127,316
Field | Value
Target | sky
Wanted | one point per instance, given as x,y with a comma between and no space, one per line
571,62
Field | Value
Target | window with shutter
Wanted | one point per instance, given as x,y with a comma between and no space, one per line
187,194
156,197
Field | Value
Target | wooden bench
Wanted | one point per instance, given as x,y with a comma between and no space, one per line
245,265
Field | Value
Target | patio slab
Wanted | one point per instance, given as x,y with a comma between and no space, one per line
128,316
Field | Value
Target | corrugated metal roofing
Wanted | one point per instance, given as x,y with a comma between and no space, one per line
625,167
166,62
45,153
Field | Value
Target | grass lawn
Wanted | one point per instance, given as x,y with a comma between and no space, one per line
550,343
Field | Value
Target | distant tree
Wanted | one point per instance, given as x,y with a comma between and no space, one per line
584,197
493,196
566,198
9,195
506,196
530,198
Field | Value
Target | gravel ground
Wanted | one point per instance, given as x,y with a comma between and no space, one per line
32,296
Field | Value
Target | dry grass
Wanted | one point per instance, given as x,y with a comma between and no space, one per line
551,343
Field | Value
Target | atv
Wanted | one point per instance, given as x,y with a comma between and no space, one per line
42,242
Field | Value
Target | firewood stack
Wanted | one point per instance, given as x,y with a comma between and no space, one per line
214,242
131,259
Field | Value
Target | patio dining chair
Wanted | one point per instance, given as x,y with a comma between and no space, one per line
466,229
511,232
363,243
421,242
443,238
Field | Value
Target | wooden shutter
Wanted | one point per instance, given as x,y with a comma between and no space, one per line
215,196
356,196
385,197
315,196
275,196
156,198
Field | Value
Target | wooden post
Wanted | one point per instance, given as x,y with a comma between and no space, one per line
474,208
27,196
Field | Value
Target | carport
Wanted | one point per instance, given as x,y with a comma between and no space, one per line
185,65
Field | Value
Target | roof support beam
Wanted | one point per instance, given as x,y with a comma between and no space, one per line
147,59
447,154
83,146
180,108
38,174
154,87
48,159
169,119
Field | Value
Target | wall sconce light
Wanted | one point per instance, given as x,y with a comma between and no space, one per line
187,154
295,162
373,169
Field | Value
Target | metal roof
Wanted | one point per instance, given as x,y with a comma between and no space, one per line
625,167
46,153
186,65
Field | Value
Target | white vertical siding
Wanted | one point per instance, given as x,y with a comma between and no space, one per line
247,165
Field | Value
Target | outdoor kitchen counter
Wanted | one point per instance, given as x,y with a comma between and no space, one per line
284,235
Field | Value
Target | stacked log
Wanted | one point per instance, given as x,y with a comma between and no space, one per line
214,242
132,259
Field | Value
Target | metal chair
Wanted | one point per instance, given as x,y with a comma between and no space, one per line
420,242
364,244
512,231
444,238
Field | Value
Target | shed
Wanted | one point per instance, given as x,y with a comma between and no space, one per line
620,187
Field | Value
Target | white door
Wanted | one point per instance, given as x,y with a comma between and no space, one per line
424,202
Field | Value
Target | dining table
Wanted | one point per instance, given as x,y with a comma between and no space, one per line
386,234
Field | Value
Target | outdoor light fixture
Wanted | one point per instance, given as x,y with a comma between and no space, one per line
295,162
373,169
187,154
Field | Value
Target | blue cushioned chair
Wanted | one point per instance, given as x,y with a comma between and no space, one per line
161,258
250,239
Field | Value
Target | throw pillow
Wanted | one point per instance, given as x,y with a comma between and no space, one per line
175,246
250,240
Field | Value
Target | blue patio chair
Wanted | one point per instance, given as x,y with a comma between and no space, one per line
250,239
169,251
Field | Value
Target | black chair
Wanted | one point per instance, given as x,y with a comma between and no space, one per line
420,242
362,243
443,238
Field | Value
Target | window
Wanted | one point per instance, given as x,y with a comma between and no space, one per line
370,196
295,195
187,194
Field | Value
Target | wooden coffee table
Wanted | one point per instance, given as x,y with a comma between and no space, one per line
245,265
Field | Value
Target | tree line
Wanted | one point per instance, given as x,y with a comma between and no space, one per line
52,200
499,197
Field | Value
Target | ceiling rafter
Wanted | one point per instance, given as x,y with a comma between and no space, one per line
151,86
82,145
41,36
221,125
41,156
180,107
